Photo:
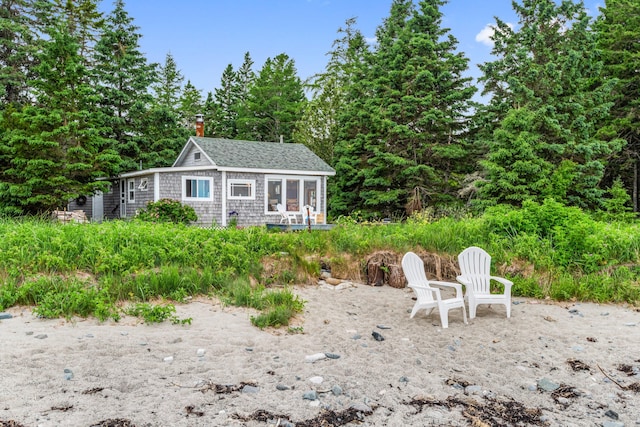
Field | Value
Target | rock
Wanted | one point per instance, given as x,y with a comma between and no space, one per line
41,336
336,390
250,389
611,414
315,357
383,327
249,349
168,359
377,336
472,389
361,407
310,395
404,379
316,380
332,281
356,337
282,387
332,356
612,424
546,384
200,352
68,374
5,316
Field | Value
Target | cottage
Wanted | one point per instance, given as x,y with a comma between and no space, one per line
223,179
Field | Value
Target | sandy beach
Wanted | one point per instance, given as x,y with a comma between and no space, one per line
555,364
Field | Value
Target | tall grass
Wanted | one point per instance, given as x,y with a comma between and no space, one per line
89,269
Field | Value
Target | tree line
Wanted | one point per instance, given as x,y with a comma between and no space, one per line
396,118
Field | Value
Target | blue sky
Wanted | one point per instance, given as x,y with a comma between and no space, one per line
204,36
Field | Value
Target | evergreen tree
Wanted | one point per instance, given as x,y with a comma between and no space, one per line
400,139
274,103
618,29
20,27
547,68
226,101
168,87
123,80
318,127
190,105
52,148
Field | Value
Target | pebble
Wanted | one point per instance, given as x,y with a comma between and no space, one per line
332,356
5,316
404,379
200,352
578,348
472,389
361,407
310,395
383,327
316,380
336,390
89,336
41,336
611,414
315,357
250,389
68,374
356,337
612,424
168,359
124,334
630,324
249,349
282,387
377,336
29,332
547,385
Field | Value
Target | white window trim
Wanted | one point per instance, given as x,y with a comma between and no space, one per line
283,189
252,186
197,199
144,184
131,190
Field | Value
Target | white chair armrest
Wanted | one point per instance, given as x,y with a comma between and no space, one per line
464,280
456,286
506,282
435,291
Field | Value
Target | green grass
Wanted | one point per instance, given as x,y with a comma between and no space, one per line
94,269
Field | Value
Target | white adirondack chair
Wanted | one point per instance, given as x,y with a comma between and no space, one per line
288,217
309,215
475,267
429,297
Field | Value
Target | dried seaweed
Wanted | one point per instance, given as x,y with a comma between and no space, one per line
118,422
325,419
578,365
225,388
10,423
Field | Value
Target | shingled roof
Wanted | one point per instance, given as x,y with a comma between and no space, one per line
231,153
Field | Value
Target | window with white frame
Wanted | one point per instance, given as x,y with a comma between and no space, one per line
197,188
292,193
144,184
131,194
238,189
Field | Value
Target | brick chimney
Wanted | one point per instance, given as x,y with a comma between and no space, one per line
199,125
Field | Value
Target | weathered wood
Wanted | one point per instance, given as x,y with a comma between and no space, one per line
375,274
396,276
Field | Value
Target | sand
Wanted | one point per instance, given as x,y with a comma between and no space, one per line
420,375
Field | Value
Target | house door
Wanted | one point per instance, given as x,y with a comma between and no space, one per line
123,198
97,213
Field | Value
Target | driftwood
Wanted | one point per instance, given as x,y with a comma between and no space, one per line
396,276
375,274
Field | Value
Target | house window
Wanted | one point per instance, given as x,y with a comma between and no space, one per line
196,156
197,188
293,193
131,194
144,184
241,189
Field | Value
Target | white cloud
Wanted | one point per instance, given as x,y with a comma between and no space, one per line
371,40
485,35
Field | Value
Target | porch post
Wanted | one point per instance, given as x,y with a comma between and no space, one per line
223,197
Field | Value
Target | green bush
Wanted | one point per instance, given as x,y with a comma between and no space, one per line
168,210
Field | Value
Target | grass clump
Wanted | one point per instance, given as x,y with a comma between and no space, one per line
156,313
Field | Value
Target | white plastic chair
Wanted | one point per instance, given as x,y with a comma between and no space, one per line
288,217
475,267
309,214
429,297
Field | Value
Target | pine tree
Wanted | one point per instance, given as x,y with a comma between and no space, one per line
226,102
190,105
168,88
274,103
123,80
618,28
547,68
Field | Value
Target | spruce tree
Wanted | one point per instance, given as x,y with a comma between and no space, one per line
123,78
274,103
618,29
400,147
546,67
226,102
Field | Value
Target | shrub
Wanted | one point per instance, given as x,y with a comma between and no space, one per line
168,210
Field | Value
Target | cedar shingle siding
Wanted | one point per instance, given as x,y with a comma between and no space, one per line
223,160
